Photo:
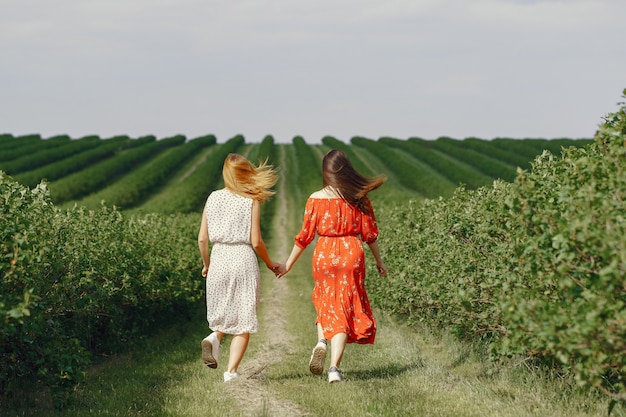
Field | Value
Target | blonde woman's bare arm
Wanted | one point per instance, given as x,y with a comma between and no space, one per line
257,240
203,244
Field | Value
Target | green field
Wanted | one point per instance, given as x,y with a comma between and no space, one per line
513,251
139,173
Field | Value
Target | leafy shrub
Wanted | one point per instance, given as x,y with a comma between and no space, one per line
76,283
570,299
536,266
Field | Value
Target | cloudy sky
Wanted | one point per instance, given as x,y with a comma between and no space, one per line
399,68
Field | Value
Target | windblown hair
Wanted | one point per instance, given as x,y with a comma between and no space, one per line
244,178
338,172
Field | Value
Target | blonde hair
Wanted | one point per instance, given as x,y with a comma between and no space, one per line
243,178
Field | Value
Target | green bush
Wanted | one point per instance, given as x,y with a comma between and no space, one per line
76,283
570,299
535,267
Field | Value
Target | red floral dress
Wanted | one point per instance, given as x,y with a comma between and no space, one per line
338,264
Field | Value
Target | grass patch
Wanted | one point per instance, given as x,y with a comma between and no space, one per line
161,376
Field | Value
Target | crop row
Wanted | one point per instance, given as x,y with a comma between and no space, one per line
489,166
266,151
16,148
308,168
454,171
99,175
411,173
132,188
429,168
66,166
188,194
45,156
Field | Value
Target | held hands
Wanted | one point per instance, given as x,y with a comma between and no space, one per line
278,269
282,271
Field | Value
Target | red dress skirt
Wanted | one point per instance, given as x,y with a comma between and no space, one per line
338,265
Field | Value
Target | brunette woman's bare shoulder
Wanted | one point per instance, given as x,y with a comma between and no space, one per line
325,193
318,194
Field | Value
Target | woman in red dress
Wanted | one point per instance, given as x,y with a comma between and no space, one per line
343,217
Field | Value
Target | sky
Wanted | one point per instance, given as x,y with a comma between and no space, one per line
343,68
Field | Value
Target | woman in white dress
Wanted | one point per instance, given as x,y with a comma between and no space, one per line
231,222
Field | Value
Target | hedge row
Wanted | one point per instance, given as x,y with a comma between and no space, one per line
535,267
308,175
77,283
32,144
97,176
46,156
10,143
410,172
508,155
266,151
448,167
131,189
335,143
487,165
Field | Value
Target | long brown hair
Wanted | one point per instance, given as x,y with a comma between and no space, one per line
243,178
338,172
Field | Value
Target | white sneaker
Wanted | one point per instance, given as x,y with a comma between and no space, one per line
210,350
229,377
316,363
335,375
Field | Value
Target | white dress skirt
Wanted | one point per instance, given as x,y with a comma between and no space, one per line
232,282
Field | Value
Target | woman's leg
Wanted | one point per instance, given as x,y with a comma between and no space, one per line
238,347
316,363
320,332
337,346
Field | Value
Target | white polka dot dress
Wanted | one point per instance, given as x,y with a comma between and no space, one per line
232,283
